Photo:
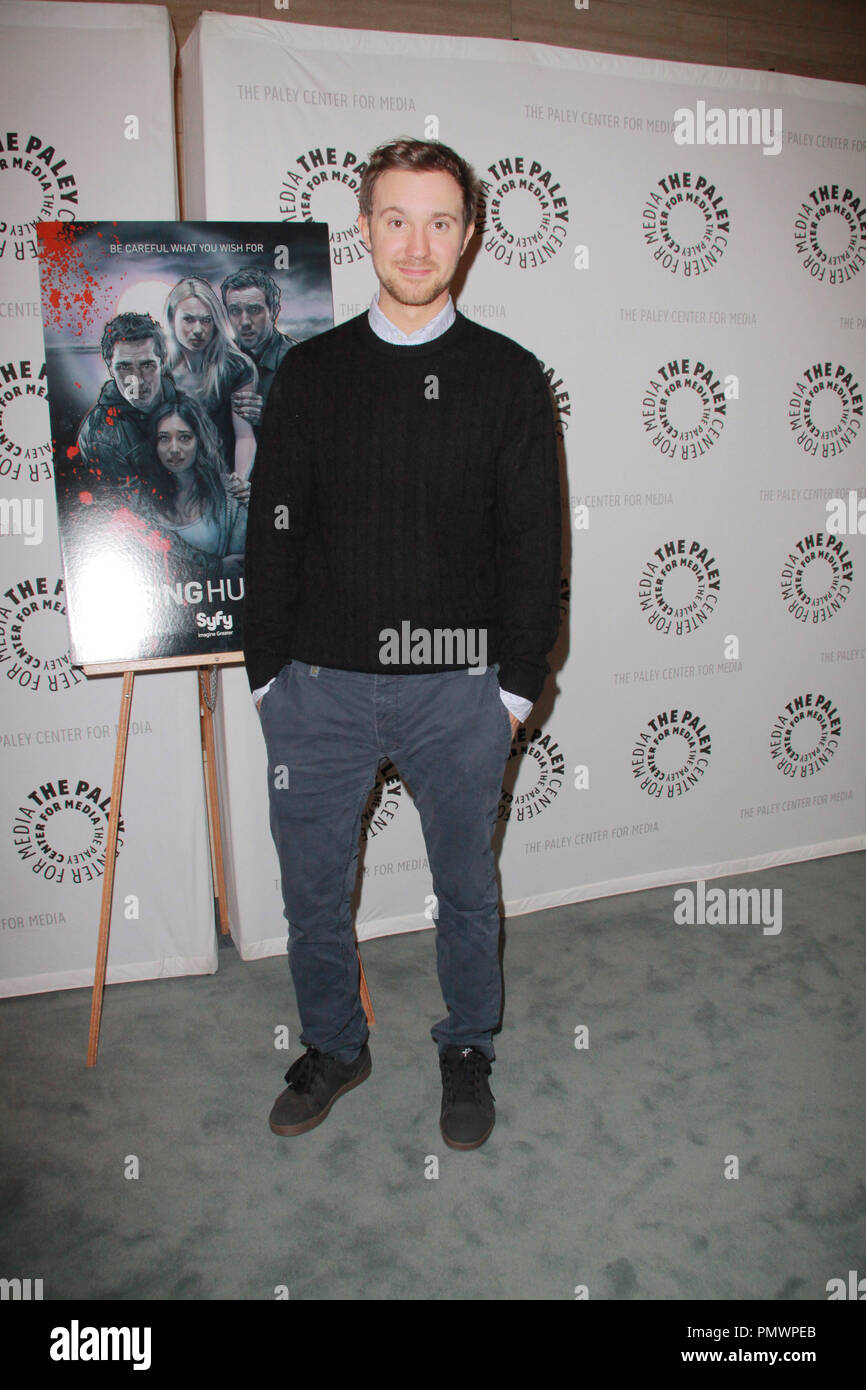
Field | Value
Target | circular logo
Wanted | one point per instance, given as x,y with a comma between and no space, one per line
34,637
60,831
547,766
671,754
385,801
830,234
679,587
323,186
35,186
684,409
805,735
826,409
25,428
686,224
816,578
523,213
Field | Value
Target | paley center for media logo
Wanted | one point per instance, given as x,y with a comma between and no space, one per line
686,223
672,753
679,586
825,409
523,214
830,233
323,186
817,577
805,735
60,830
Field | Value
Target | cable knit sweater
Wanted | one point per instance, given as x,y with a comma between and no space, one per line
399,485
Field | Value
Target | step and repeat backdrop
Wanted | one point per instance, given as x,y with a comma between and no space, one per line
86,133
692,281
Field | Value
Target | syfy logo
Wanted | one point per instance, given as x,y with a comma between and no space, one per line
218,622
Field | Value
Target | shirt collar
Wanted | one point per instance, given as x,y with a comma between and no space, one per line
384,328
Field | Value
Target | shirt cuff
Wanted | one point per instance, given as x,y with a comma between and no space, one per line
263,690
517,705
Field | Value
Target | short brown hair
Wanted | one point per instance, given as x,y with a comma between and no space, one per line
419,156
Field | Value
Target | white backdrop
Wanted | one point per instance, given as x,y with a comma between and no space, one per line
650,757
72,76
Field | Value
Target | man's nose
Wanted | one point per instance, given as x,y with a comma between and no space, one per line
419,243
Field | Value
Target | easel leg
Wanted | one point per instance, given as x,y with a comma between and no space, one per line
365,994
110,860
207,701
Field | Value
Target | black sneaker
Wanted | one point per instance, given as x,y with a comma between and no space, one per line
468,1114
315,1082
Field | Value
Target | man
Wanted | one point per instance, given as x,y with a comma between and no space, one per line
252,301
412,454
112,439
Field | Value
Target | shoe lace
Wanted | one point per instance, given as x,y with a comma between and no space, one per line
462,1075
302,1073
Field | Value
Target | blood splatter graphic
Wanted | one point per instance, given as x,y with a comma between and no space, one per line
72,297
136,528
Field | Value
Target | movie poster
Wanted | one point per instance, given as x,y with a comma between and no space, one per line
162,340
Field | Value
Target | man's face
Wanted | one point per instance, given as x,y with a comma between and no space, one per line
415,234
249,317
137,371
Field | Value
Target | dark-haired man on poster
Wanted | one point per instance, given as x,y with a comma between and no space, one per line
113,437
403,575
252,301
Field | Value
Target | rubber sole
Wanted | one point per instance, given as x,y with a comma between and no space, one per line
476,1143
286,1131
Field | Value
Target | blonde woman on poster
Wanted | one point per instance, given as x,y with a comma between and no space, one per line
207,364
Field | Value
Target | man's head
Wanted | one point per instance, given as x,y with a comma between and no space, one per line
252,300
420,156
417,213
133,349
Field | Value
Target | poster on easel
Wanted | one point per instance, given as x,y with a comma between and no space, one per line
162,340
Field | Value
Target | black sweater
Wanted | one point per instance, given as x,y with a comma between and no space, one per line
422,486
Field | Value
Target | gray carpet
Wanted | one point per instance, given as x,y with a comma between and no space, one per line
606,1168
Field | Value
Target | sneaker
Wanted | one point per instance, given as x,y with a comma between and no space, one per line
468,1113
315,1081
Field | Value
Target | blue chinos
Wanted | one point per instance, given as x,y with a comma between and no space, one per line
449,734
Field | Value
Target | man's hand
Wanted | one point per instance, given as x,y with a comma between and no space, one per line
237,487
515,723
248,404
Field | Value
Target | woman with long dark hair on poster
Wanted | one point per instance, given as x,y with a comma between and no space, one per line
207,364
189,498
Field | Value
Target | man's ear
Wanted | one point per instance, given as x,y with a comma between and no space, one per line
364,226
467,237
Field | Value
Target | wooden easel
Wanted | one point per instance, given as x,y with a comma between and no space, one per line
207,702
